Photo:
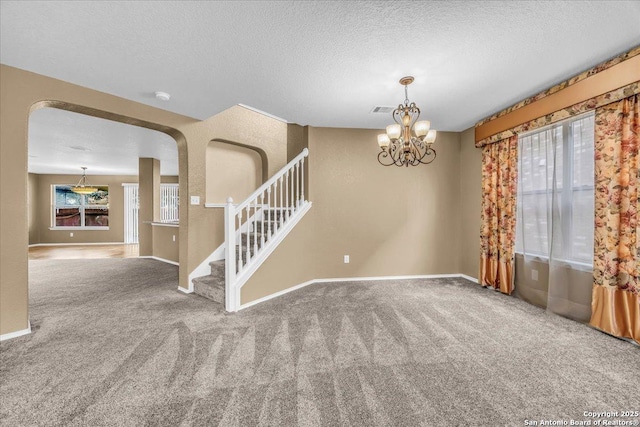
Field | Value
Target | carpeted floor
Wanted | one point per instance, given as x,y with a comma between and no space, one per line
114,343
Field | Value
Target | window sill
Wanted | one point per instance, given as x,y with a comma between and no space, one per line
78,228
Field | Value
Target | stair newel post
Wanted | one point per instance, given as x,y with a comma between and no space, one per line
262,232
230,255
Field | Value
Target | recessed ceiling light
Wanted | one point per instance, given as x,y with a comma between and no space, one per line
163,96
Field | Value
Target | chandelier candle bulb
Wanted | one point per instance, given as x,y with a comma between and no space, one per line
399,146
394,131
431,136
421,128
383,141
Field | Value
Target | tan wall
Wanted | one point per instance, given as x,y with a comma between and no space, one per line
165,242
115,233
577,284
40,209
391,221
470,199
232,171
32,209
149,206
22,91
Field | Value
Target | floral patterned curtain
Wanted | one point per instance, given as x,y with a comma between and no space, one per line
616,268
498,229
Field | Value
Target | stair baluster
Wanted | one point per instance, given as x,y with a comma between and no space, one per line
253,229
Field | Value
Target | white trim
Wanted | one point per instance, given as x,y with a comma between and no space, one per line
159,259
216,205
255,110
271,245
471,279
186,291
350,279
204,269
165,224
74,228
273,179
277,294
81,244
16,334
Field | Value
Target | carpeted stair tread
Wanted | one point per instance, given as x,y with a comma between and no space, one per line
210,287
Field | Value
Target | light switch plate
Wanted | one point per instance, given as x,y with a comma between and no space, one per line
534,275
195,200
346,259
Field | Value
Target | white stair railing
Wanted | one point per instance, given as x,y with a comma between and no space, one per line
264,217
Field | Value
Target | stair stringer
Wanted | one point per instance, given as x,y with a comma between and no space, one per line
233,294
218,254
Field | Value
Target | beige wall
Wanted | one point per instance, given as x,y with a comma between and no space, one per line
165,242
22,91
391,221
40,209
115,233
470,199
232,171
149,206
32,208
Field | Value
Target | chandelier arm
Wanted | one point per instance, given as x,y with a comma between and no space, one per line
383,154
428,152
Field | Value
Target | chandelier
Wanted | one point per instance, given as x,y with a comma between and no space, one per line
408,141
82,187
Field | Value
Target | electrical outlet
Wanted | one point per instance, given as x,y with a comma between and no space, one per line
346,259
70,234
534,275
174,237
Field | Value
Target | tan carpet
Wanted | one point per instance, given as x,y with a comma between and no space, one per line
115,343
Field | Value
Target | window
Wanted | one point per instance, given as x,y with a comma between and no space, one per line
556,191
80,211
169,203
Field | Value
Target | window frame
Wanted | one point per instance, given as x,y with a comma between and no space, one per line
81,208
566,192
166,209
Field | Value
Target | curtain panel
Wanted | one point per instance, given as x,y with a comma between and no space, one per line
498,223
616,268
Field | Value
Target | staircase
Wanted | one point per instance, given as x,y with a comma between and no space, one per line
212,286
253,229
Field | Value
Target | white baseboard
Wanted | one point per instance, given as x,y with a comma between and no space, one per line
351,279
16,334
186,291
472,279
160,259
81,244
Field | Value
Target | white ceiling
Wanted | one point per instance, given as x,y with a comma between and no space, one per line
60,142
321,63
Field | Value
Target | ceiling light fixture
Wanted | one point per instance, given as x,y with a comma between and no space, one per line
408,142
162,96
82,187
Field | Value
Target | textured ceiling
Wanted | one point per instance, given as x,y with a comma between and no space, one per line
60,142
318,63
